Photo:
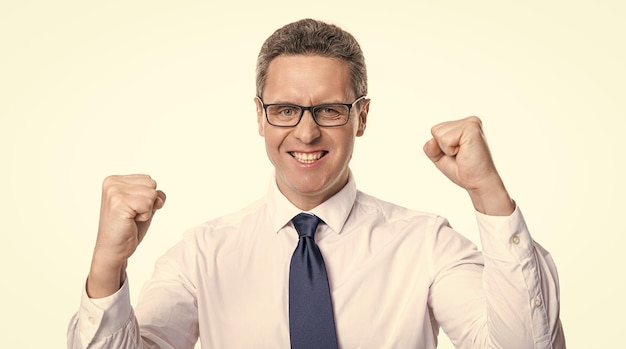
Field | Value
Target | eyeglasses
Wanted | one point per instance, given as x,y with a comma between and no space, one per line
324,115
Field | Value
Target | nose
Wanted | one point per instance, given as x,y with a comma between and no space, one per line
307,131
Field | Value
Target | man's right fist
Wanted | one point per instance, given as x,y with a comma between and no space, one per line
128,205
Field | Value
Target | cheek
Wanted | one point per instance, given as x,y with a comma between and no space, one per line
356,130
273,138
346,141
271,150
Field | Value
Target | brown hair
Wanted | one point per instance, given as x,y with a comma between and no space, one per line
312,37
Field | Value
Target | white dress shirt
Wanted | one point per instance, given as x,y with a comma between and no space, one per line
396,276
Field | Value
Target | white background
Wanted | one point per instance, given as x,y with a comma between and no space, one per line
89,89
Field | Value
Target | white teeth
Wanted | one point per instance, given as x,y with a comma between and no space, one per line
307,158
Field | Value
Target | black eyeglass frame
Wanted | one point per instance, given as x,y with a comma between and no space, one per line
310,109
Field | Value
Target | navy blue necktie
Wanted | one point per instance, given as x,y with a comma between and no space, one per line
311,322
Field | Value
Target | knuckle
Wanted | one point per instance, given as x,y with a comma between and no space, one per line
152,183
146,180
473,124
446,138
109,180
117,201
475,119
109,190
436,130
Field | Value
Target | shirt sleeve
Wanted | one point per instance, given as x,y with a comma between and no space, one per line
505,297
166,315
104,322
521,285
167,309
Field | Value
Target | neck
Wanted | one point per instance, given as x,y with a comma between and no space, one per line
308,201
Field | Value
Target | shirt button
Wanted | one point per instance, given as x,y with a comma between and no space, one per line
515,239
537,302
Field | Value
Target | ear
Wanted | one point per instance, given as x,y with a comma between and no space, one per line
364,110
259,116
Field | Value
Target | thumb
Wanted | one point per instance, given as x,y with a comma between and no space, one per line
160,200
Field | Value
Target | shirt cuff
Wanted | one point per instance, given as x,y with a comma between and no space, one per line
505,238
101,317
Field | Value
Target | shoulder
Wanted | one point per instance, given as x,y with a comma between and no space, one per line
229,223
429,233
366,204
389,220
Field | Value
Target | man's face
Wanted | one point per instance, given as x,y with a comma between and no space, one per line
311,161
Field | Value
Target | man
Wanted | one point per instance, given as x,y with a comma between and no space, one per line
373,275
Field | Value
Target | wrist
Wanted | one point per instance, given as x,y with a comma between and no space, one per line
492,200
106,276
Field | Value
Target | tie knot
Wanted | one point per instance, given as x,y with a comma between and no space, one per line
306,224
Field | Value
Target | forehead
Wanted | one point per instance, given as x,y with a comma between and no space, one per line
311,78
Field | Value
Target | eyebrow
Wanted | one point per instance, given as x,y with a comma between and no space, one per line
292,103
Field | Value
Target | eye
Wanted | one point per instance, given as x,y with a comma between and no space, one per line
330,111
288,111
283,111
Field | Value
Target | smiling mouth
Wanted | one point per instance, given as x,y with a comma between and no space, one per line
308,158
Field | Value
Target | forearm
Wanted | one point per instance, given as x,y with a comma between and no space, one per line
492,199
106,276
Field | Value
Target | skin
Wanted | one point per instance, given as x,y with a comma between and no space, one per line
126,211
458,149
310,80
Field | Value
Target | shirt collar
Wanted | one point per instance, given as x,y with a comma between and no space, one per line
334,211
